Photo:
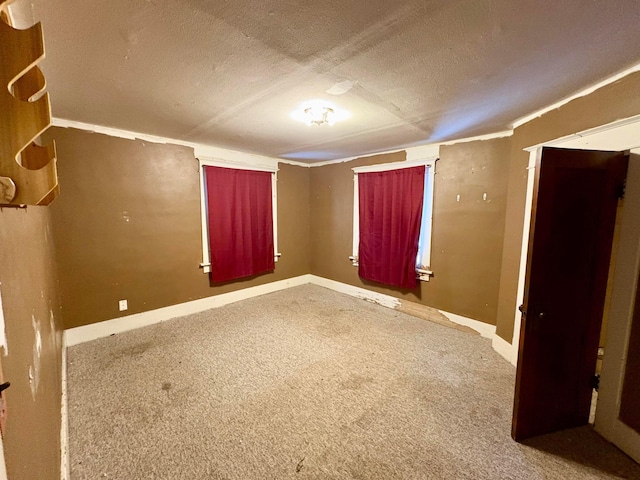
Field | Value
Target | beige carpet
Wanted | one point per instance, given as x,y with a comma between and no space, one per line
308,384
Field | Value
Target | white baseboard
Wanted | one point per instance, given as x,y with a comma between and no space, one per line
484,329
65,473
504,348
362,293
86,333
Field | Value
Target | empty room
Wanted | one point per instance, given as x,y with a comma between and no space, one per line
319,240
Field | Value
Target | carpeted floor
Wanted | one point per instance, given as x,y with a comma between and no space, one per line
308,384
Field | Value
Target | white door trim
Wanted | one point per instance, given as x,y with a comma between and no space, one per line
620,320
3,465
534,155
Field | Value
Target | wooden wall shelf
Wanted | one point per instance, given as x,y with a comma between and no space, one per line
28,174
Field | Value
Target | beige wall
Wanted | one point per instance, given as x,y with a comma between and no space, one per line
608,104
31,304
127,226
467,234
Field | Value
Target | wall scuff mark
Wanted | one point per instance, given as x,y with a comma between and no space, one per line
34,370
3,334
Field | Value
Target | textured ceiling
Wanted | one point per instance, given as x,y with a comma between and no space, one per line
230,72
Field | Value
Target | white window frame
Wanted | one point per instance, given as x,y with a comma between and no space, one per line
423,265
204,162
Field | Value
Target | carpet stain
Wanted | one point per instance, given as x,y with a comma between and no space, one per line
135,351
166,386
333,329
363,422
368,468
180,397
496,412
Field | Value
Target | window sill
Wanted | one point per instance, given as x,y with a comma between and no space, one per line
206,267
422,274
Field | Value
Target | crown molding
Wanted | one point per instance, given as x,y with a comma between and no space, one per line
582,93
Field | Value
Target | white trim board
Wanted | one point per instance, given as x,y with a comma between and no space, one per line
423,262
3,465
213,162
505,349
621,313
200,150
65,473
204,221
385,167
618,135
479,138
86,333
582,93
484,329
357,292
431,150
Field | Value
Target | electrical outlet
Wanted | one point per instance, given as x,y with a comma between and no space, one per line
122,305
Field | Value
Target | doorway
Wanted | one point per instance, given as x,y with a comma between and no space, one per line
576,195
622,135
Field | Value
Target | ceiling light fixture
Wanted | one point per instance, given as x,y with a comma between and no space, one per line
319,112
319,115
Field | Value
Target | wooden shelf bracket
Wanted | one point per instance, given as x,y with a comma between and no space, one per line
28,174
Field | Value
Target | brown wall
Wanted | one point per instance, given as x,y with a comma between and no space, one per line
31,303
127,226
467,235
608,104
126,200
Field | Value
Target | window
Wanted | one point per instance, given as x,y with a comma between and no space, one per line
239,219
422,261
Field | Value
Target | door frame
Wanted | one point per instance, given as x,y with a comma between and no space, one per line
617,136
625,280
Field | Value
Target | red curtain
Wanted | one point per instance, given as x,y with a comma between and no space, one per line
390,214
240,219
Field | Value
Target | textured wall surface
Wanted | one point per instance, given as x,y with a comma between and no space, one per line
467,232
31,308
127,226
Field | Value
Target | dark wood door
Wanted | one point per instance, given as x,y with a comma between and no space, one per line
576,193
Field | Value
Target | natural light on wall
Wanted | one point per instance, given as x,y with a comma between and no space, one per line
319,112
423,260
